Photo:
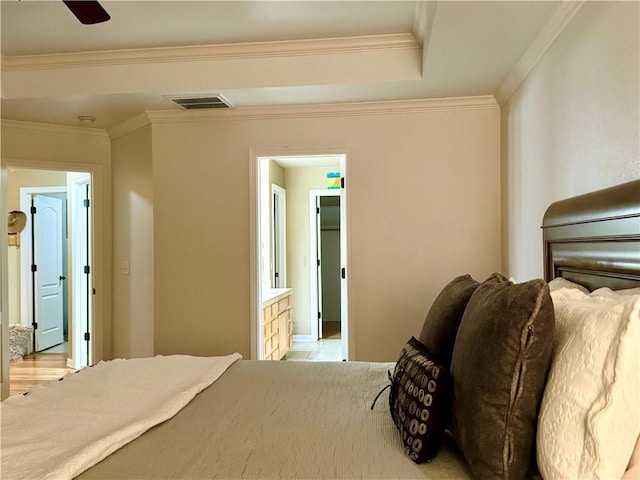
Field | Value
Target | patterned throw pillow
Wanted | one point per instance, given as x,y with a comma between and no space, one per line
419,397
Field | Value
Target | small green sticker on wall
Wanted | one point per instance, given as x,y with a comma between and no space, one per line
333,180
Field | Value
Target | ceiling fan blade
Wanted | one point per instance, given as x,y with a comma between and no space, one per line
88,12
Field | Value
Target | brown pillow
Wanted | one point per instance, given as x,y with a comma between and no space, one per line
420,394
441,325
499,368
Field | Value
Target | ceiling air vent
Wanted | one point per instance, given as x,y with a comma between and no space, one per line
201,102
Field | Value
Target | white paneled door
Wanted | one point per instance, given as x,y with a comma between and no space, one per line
47,223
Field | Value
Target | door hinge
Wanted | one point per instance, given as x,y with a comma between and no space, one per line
319,315
94,291
33,210
87,269
34,268
343,273
317,209
87,336
86,202
318,262
341,182
35,325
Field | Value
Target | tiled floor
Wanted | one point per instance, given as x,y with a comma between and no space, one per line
320,351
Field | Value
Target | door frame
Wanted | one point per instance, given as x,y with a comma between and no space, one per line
255,278
315,302
82,352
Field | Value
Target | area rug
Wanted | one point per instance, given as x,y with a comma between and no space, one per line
19,338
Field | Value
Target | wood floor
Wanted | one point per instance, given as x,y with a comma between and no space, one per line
36,369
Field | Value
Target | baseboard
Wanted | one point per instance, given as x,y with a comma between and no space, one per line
70,363
304,338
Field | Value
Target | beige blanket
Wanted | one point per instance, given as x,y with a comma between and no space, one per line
60,429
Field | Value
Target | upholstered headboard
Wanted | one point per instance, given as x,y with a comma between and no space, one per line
594,239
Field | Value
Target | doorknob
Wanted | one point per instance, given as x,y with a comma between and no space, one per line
62,277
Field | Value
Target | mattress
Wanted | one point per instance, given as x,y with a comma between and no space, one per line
272,420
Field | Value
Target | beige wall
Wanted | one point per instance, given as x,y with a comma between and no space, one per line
34,146
423,202
133,243
571,127
276,174
299,181
17,179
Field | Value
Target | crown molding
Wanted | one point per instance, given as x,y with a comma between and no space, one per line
536,50
210,52
326,110
33,128
255,113
129,126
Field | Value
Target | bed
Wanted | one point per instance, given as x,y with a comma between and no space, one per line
274,420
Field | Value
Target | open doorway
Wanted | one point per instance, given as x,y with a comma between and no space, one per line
289,261
50,266
325,249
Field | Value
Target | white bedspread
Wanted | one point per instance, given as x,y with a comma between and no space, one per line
63,428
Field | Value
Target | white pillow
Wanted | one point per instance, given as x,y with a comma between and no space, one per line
607,292
590,412
633,470
559,282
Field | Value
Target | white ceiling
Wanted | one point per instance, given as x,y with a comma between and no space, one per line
35,27
470,48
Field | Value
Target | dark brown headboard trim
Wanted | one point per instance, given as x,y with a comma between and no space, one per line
594,239
619,202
